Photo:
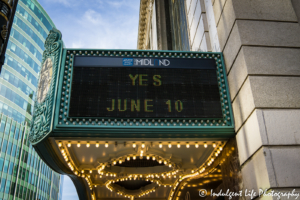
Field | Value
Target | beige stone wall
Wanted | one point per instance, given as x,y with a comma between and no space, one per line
260,40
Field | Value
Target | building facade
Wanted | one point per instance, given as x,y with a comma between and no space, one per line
23,174
113,146
23,59
260,43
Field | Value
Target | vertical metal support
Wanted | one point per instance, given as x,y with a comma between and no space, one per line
20,156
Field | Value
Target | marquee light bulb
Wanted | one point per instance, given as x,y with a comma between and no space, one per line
128,158
143,145
148,157
160,145
59,144
178,145
134,157
88,145
91,171
78,144
196,145
69,144
205,145
106,144
187,145
214,145
134,145
170,145
160,161
153,158
97,144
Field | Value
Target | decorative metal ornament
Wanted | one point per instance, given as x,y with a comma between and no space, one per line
4,32
41,119
45,80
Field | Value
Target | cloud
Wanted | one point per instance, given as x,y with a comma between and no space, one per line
77,45
95,24
118,3
67,3
102,31
91,17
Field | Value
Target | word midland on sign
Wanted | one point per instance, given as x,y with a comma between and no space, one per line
144,88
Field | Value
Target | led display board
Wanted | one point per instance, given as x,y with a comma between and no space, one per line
144,88
118,93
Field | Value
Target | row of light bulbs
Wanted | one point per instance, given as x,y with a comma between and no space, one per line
109,186
187,144
200,170
120,160
135,176
119,193
153,157
87,178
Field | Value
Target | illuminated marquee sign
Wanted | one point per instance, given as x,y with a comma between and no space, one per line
140,93
117,87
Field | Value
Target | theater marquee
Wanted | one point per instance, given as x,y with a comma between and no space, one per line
143,94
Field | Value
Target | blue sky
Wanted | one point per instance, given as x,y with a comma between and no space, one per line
102,24
99,24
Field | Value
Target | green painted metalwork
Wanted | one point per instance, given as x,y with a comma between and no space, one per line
51,116
117,127
43,112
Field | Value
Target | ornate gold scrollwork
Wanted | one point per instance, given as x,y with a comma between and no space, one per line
4,32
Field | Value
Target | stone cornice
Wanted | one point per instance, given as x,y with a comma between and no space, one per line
146,7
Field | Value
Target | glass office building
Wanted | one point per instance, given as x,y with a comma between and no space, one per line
23,175
20,72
